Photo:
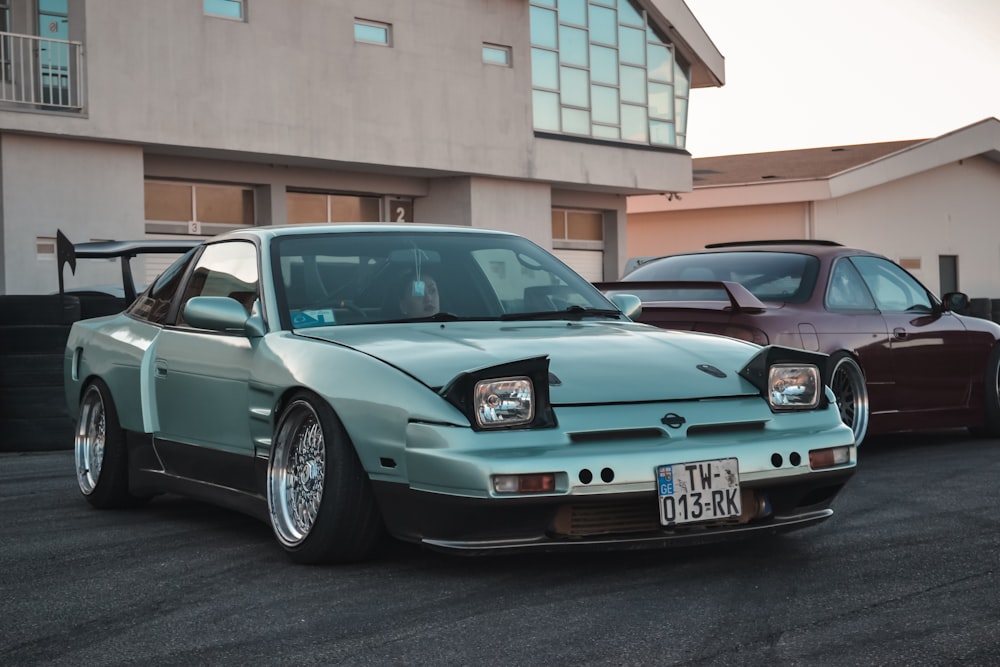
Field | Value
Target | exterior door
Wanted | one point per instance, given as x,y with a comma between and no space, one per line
931,366
201,378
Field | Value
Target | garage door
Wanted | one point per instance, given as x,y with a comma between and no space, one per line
588,263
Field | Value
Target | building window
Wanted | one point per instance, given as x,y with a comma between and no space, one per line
947,273
600,70
304,207
495,54
45,247
573,225
201,209
6,43
578,240
372,32
230,9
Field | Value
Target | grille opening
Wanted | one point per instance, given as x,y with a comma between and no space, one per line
713,429
630,434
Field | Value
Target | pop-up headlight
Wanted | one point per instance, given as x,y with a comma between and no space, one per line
794,386
513,395
789,378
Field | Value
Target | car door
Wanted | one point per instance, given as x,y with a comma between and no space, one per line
853,322
201,378
930,362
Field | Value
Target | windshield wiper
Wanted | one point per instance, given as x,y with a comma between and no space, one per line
571,313
436,317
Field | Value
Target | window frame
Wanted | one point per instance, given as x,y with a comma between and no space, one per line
241,5
873,269
631,121
369,23
195,226
505,51
184,292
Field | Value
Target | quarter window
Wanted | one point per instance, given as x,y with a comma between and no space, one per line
600,70
153,305
847,290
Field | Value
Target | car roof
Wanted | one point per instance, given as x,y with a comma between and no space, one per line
819,248
274,231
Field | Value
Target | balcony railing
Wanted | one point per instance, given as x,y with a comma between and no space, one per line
41,73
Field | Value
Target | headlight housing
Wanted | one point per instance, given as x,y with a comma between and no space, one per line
504,402
514,395
794,386
789,378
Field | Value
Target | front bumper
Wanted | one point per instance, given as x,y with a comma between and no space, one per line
603,460
606,522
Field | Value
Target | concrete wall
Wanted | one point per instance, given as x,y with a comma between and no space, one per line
662,233
291,85
950,210
519,207
87,189
164,73
288,99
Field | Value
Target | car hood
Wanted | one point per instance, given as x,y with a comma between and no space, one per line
591,361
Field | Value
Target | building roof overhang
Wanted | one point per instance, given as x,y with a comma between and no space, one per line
675,20
821,173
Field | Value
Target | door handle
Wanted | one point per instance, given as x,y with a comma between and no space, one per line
160,369
899,332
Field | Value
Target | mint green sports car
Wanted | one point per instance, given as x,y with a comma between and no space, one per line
454,387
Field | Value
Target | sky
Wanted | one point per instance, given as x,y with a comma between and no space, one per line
817,73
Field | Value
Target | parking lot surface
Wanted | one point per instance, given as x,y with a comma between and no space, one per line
905,573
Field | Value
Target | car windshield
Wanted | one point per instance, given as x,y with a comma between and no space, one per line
770,276
369,277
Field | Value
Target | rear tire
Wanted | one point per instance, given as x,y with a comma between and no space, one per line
100,451
320,502
848,383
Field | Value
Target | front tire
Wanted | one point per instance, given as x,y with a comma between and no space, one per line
847,381
320,502
99,450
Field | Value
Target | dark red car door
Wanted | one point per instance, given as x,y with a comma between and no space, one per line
930,357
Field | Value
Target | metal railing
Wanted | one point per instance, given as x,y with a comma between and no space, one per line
41,73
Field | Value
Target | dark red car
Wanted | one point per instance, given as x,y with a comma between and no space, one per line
901,359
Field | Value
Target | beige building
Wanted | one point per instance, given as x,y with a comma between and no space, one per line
932,205
122,119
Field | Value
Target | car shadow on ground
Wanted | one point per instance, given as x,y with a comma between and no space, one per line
223,524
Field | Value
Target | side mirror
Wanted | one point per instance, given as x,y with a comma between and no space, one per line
629,304
220,313
956,301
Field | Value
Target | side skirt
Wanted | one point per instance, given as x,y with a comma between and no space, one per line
148,476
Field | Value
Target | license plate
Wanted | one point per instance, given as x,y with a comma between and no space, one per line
700,491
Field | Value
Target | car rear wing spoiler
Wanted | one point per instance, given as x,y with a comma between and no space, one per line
68,252
741,300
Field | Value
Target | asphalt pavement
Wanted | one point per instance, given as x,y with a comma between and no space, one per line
905,573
